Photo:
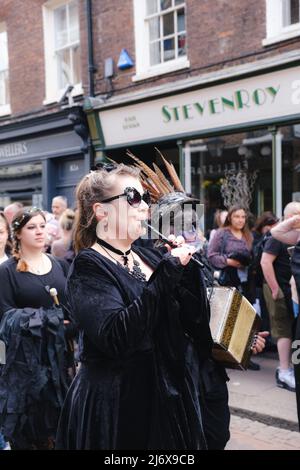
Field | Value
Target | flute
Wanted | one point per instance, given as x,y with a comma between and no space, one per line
165,239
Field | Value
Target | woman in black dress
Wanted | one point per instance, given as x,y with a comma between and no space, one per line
147,378
34,379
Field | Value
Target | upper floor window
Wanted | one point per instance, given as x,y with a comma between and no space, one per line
283,20
160,32
62,47
291,12
67,44
165,22
4,83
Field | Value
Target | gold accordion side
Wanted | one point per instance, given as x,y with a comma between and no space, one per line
233,324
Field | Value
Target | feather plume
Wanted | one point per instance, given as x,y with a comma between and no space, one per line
154,180
148,172
172,172
162,178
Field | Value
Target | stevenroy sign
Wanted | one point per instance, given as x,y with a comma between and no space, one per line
253,99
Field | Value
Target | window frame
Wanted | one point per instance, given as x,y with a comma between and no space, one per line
275,29
52,91
5,109
142,41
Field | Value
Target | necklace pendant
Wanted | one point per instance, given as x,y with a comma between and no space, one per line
125,258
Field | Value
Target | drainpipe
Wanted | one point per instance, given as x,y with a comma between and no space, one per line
91,65
89,154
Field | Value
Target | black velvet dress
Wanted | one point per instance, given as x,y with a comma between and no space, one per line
147,380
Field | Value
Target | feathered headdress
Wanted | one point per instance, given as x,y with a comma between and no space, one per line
154,180
168,196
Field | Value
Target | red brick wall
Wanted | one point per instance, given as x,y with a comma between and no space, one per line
26,54
220,33
24,23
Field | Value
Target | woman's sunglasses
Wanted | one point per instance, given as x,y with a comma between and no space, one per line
134,198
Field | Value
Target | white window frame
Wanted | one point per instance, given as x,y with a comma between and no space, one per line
275,29
53,93
5,109
143,68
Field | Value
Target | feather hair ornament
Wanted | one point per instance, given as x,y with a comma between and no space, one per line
154,180
168,197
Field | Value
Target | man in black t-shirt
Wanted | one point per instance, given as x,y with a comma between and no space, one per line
275,263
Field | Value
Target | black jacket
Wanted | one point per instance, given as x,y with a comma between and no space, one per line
33,381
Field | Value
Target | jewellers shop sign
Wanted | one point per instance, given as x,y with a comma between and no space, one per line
259,98
13,150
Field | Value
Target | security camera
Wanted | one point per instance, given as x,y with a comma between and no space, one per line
67,94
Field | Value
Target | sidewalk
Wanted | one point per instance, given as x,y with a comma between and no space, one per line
254,395
247,434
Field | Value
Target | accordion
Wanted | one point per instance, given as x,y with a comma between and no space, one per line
233,324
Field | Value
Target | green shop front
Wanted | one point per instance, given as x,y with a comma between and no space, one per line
245,121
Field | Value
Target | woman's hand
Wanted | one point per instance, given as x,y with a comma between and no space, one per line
175,241
259,342
184,253
179,249
234,263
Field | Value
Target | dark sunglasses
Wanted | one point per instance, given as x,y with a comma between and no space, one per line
134,198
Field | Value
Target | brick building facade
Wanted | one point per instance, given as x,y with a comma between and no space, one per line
213,84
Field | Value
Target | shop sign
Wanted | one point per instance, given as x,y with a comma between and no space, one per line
219,168
41,147
13,150
259,98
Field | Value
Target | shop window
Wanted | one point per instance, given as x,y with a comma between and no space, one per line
4,77
62,48
290,163
160,34
282,20
209,160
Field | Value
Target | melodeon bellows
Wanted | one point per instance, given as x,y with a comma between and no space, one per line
233,324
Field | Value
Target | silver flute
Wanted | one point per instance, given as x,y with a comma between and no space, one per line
165,239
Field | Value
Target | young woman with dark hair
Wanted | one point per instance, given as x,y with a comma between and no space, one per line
34,379
230,249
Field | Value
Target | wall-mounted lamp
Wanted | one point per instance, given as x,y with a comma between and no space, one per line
242,150
215,146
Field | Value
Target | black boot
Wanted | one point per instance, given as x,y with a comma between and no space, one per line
253,366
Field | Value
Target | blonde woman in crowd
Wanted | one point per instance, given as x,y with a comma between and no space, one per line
61,247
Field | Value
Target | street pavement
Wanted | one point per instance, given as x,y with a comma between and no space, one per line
247,434
263,416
